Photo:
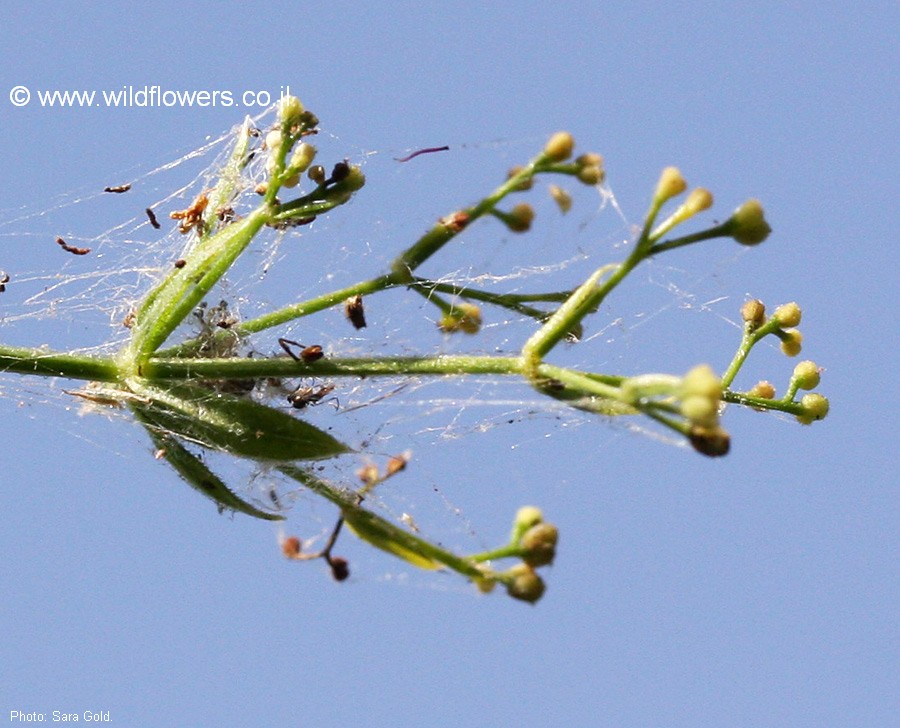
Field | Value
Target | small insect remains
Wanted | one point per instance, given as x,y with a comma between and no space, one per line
152,217
308,354
353,308
4,279
305,396
118,189
71,248
192,217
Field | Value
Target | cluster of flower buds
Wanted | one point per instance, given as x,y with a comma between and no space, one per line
807,374
747,224
535,540
671,184
782,324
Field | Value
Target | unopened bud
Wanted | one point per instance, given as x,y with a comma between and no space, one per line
753,312
528,516
485,586
302,157
815,407
763,390
671,184
273,140
591,174
701,411
519,218
289,110
791,342
698,200
354,180
559,147
589,159
701,381
539,544
748,224
806,375
788,315
525,584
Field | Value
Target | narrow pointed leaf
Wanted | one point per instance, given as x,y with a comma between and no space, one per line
231,424
195,473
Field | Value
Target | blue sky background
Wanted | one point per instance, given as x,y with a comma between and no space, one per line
756,590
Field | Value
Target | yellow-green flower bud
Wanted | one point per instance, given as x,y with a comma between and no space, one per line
700,410
485,586
589,159
787,315
792,342
289,109
815,407
806,375
748,224
291,181
562,198
526,517
519,218
302,157
753,312
591,174
273,140
671,184
698,200
354,180
539,544
559,147
701,381
525,584
763,390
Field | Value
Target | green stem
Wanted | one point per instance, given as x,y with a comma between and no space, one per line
54,364
158,368
713,232
286,314
584,300
432,241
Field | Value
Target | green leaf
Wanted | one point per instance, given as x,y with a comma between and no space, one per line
231,424
197,475
387,537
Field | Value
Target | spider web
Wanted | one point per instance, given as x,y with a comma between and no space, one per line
79,303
